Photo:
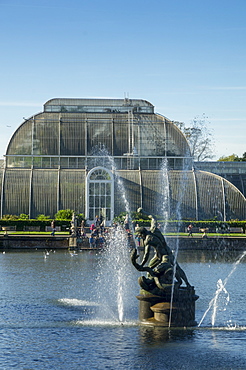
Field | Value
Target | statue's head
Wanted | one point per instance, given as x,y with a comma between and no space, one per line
141,231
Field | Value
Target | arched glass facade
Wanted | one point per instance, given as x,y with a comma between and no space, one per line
100,194
73,153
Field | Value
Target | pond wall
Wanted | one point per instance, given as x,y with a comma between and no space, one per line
64,242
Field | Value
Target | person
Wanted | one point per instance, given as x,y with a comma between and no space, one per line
129,239
126,223
154,238
189,229
92,228
82,228
53,226
138,238
97,221
91,241
102,224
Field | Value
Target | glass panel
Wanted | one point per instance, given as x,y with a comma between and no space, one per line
108,201
97,186
103,188
21,141
46,135
73,134
91,214
44,188
73,163
91,201
64,162
144,164
108,211
54,162
81,162
72,190
46,162
121,127
108,189
99,134
17,192
97,201
37,162
102,202
152,163
91,188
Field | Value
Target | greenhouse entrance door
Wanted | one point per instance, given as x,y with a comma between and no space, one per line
100,195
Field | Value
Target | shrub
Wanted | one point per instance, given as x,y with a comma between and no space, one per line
43,218
23,216
64,214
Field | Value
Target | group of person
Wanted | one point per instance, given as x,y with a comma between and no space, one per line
97,233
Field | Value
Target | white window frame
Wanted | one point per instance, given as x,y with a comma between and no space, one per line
108,181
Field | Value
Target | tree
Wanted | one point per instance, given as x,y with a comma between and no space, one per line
199,138
233,158
230,158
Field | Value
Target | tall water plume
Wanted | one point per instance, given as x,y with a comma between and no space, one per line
166,210
114,280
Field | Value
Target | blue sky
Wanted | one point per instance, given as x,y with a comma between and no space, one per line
188,58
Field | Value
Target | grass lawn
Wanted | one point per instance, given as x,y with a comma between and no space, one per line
237,235
34,232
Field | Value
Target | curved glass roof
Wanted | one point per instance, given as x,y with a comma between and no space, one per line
120,133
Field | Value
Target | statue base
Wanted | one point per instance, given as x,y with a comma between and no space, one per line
159,311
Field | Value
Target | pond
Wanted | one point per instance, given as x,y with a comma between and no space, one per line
62,310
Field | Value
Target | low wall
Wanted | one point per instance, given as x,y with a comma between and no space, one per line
62,242
216,243
18,242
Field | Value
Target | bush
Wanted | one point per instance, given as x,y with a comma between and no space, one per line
64,214
23,216
10,217
43,218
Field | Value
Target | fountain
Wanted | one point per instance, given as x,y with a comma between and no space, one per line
221,289
162,300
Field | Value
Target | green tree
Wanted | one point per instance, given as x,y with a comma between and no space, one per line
230,158
233,158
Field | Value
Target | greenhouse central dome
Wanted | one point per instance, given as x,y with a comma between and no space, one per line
73,154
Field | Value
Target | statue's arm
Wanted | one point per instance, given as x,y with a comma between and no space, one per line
153,224
146,254
134,257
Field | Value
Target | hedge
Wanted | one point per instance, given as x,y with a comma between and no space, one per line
20,224
182,224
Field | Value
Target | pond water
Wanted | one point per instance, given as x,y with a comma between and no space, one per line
75,311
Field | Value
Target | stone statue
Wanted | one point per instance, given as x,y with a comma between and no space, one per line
162,266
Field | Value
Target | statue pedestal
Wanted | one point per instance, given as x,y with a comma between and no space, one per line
159,311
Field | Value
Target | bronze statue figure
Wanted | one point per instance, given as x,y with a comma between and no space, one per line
162,268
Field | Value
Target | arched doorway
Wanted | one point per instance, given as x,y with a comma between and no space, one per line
100,195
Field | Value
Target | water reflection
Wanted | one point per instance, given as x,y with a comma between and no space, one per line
155,335
210,256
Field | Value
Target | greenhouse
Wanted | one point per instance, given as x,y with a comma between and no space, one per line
107,156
